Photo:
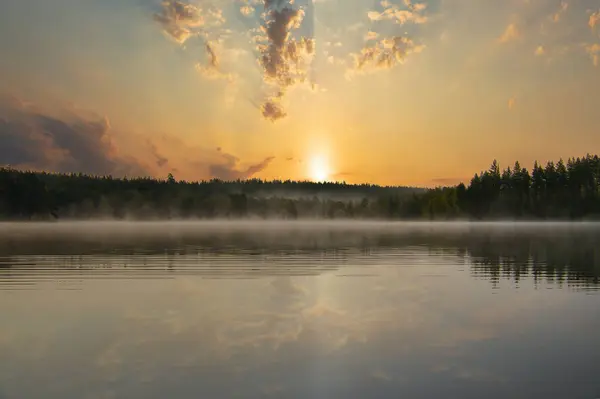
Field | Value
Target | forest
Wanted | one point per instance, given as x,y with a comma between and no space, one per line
558,190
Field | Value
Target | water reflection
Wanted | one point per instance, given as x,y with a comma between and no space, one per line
559,253
328,312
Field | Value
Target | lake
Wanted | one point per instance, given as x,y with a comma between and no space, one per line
299,310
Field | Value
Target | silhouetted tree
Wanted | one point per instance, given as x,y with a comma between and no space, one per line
558,190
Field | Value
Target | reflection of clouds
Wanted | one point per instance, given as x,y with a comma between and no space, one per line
411,317
290,312
381,375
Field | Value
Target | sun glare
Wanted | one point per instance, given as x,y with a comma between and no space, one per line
319,168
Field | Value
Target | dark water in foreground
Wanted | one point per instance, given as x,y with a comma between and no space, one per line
299,311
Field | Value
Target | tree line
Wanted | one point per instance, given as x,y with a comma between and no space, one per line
559,190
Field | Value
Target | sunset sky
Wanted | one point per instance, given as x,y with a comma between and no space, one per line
391,92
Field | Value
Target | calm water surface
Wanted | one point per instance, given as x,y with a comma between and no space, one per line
192,310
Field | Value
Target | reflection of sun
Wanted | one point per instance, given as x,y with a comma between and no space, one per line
319,168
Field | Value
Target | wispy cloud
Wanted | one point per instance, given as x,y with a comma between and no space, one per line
593,51
390,50
371,35
229,169
211,70
181,21
594,19
411,12
539,51
161,160
510,33
384,54
564,6
511,103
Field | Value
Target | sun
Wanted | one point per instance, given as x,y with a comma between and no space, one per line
319,168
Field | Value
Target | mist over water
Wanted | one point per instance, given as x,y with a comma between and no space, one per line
299,309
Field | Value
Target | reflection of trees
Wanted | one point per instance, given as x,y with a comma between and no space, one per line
571,258
562,255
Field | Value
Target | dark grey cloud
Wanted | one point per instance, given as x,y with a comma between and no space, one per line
30,138
273,110
160,159
229,168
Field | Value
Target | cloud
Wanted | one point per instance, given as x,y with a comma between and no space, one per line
540,51
284,60
511,102
594,19
355,27
192,162
381,375
32,138
510,33
384,54
160,159
563,8
229,169
273,110
179,20
593,51
212,68
413,12
247,10
391,50
371,35
213,60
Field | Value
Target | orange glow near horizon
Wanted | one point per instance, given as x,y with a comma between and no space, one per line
319,169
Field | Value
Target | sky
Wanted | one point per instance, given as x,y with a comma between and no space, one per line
388,92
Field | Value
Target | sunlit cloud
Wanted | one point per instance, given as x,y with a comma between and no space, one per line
511,103
284,59
563,8
211,70
390,50
179,20
247,10
510,33
272,109
410,12
594,19
593,51
539,51
384,54
371,35
229,168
